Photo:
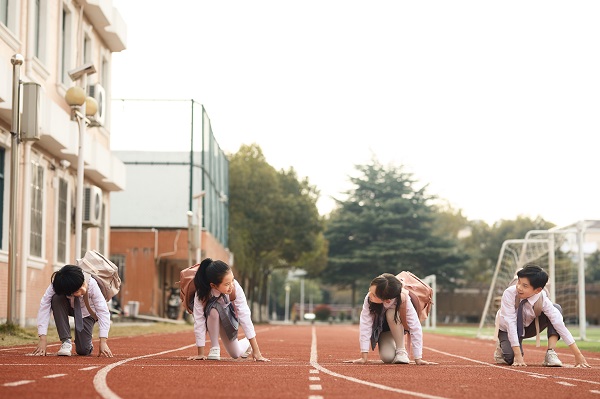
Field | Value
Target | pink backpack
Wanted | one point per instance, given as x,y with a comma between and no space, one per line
187,288
420,294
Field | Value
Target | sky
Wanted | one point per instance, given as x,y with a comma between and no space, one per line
493,105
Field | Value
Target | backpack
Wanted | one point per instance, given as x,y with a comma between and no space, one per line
187,288
420,294
105,272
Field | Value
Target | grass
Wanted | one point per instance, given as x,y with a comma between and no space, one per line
11,335
592,342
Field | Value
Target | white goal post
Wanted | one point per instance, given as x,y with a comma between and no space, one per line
431,321
566,283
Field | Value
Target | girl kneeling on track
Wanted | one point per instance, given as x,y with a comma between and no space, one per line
214,311
380,324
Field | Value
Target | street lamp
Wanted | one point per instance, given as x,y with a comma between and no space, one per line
287,303
76,97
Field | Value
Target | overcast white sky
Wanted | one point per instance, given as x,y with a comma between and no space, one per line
495,105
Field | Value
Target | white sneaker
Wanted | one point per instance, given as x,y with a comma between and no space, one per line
247,353
65,349
214,353
498,357
401,357
551,359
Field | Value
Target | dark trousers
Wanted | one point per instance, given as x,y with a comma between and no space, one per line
61,308
507,351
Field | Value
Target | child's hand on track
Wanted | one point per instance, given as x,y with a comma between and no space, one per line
203,357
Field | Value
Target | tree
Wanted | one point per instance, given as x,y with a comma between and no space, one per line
274,222
386,225
483,244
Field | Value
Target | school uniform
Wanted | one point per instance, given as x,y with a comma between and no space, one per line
551,318
367,320
221,301
62,307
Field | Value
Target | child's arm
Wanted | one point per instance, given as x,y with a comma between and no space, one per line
361,360
200,356
256,351
519,361
43,319
579,359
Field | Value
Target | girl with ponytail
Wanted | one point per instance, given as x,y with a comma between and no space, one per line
219,306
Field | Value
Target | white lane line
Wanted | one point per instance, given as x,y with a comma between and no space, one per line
509,368
315,387
313,362
315,397
54,376
314,378
89,368
313,371
595,391
567,384
100,378
17,383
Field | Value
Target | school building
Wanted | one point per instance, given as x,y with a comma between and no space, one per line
42,46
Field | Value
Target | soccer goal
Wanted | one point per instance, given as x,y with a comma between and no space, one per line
561,253
431,321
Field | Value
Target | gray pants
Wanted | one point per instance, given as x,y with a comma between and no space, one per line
507,351
61,308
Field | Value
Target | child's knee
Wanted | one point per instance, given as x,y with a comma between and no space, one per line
213,314
84,351
387,356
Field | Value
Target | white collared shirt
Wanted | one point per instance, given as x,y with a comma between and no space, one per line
508,315
243,313
412,320
97,303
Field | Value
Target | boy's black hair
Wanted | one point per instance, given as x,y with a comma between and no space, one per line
536,275
67,280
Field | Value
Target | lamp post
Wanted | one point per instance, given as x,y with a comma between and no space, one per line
76,97
17,61
287,303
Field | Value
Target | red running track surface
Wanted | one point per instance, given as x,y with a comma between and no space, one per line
306,362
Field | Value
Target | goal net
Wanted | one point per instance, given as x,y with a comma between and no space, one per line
555,251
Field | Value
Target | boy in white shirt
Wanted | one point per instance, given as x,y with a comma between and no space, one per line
530,286
64,298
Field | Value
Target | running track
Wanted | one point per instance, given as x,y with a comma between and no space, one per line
306,362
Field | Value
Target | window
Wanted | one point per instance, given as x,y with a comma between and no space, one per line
66,49
84,241
37,209
2,180
62,231
87,49
119,260
4,12
102,231
39,26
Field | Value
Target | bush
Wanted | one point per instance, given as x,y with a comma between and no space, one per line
322,312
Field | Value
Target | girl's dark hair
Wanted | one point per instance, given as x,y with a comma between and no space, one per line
387,286
67,280
210,271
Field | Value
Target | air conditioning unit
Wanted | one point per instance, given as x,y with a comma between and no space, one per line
92,206
97,92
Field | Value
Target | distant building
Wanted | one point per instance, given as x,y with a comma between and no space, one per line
55,37
155,222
